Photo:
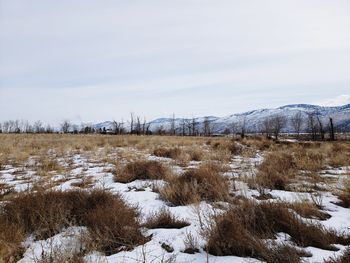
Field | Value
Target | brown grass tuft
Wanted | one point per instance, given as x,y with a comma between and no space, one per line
240,231
142,170
276,171
204,183
164,219
110,221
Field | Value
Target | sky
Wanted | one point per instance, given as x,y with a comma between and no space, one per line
92,61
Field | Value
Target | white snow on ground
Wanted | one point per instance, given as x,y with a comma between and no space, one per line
149,202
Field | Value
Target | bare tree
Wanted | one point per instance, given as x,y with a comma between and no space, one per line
172,125
266,127
242,126
65,126
278,122
312,125
206,127
331,128
38,127
131,122
297,123
320,126
183,127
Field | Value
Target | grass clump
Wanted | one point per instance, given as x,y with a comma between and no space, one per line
142,170
111,223
241,230
164,219
173,153
204,183
276,171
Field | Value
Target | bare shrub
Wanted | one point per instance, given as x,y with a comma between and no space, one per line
276,171
142,170
204,183
164,219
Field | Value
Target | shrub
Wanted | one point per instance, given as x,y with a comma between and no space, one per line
204,183
142,170
111,222
276,171
164,219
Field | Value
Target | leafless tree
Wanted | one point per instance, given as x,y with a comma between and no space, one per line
172,125
242,126
38,127
65,126
183,127
297,123
206,127
320,126
278,122
266,127
331,129
131,122
312,125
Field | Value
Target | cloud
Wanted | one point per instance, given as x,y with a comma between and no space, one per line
337,101
101,60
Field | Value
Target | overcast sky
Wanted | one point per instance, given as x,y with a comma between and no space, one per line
99,60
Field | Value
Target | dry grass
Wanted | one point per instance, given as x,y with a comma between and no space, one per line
344,258
142,170
276,171
173,153
112,224
344,195
204,183
164,219
241,229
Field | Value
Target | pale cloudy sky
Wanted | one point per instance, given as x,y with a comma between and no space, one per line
97,60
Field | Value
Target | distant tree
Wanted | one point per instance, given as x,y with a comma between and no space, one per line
38,127
131,122
331,128
278,122
266,127
183,127
206,127
312,125
297,123
242,126
65,126
173,125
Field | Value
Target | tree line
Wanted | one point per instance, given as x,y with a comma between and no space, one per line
309,127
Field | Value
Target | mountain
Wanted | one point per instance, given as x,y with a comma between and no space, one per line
254,119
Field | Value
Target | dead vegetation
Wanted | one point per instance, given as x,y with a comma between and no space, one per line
276,171
164,219
142,170
112,224
241,231
203,183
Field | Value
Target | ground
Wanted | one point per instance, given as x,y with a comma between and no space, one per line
40,163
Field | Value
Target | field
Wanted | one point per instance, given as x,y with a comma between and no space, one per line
110,198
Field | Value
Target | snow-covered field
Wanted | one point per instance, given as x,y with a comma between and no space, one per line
95,168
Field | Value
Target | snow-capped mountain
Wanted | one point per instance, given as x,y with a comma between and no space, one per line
254,119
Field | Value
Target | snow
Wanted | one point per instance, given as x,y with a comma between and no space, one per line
150,202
